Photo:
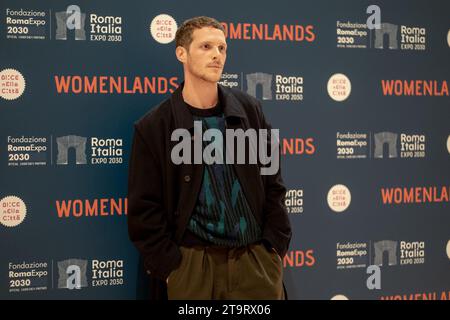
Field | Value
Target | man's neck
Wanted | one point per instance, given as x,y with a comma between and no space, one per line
200,94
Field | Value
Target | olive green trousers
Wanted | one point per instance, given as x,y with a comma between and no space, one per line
251,273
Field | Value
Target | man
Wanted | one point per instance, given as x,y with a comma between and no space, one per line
205,231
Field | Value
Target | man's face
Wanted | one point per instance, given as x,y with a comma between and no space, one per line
207,53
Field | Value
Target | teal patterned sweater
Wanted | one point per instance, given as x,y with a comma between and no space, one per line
222,215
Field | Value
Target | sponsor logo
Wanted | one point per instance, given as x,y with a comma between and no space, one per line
26,24
268,32
27,150
339,297
358,145
352,145
384,253
71,19
380,247
448,144
412,38
385,35
99,27
102,150
105,28
231,80
163,28
351,255
28,276
339,87
107,273
448,249
72,274
276,87
414,88
12,211
351,34
448,38
411,145
267,86
289,88
75,84
88,208
412,252
72,23
434,295
67,142
299,259
298,146
294,201
413,195
12,84
339,198
34,151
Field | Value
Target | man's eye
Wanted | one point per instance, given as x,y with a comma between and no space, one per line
206,46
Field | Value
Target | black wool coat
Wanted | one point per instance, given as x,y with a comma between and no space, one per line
162,195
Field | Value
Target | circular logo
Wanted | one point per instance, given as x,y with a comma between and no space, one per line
448,144
339,198
339,297
12,211
163,28
12,84
448,249
448,38
339,87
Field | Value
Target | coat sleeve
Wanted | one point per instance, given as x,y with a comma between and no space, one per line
277,231
148,226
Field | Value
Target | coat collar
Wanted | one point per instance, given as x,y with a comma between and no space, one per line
183,117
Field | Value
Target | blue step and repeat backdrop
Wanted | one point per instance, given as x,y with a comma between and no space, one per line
363,112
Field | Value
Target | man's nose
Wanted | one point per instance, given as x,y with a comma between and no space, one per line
216,53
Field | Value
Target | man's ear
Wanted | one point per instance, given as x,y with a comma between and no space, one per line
181,54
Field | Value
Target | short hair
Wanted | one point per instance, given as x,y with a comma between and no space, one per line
183,36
